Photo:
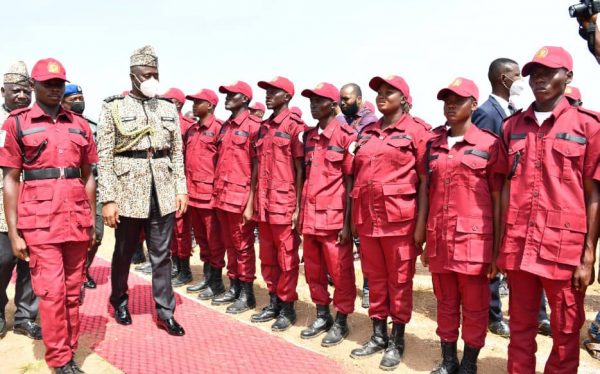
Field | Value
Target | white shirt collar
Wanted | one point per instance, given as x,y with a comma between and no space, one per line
503,104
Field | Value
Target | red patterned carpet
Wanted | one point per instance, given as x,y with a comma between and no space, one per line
214,342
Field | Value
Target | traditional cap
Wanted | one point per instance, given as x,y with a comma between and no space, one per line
552,57
369,105
17,73
237,87
278,82
144,56
258,106
323,89
206,95
395,81
175,93
72,89
47,69
296,111
573,93
462,87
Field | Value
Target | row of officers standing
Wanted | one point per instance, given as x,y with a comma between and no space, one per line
524,201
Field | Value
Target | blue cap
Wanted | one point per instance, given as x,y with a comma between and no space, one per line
72,89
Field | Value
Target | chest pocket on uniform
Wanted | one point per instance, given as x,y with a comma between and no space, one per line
34,142
568,150
403,144
282,141
78,136
240,137
474,162
516,155
334,156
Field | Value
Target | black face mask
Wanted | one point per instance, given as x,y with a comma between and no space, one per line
350,110
78,107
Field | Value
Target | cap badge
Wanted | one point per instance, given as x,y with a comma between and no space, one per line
456,83
542,53
319,86
53,67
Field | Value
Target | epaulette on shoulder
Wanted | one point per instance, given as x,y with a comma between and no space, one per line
75,114
90,121
519,111
490,132
256,119
422,122
295,117
347,129
19,111
588,112
113,98
439,130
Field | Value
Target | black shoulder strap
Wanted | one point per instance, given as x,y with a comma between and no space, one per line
38,151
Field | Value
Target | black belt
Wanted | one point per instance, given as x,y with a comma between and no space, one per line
148,153
51,173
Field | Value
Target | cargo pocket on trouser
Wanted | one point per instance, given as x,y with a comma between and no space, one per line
288,254
37,283
572,311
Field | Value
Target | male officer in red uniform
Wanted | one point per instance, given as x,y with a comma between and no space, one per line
200,141
325,215
277,202
550,203
234,195
181,244
50,214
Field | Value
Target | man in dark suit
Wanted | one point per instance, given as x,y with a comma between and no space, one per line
503,72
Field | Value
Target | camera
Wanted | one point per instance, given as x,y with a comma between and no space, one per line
585,9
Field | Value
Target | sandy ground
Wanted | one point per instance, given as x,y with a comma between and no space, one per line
19,354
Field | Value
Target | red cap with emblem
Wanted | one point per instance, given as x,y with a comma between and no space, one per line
462,87
573,93
238,87
552,57
258,106
326,90
175,93
395,81
47,69
206,95
278,82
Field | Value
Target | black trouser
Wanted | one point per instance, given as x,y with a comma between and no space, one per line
158,231
25,300
495,313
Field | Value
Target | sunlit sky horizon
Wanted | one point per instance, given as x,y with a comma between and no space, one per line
206,44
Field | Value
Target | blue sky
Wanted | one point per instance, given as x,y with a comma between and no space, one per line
206,44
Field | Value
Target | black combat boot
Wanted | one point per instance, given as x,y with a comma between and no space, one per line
174,266
323,323
269,312
377,343
337,332
245,301
231,295
468,365
184,275
449,364
395,349
215,285
204,282
286,317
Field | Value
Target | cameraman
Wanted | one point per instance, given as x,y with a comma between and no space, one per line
586,13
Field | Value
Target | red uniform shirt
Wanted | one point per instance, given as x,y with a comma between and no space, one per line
327,159
234,165
384,198
546,218
200,141
277,147
52,210
460,226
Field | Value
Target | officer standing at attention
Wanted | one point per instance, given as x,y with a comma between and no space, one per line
74,101
465,176
201,158
280,173
388,213
142,183
181,244
17,95
550,208
50,214
325,215
234,195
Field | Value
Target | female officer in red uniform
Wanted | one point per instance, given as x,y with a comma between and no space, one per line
51,213
464,178
384,214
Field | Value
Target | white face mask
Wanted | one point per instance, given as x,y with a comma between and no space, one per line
149,87
517,87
